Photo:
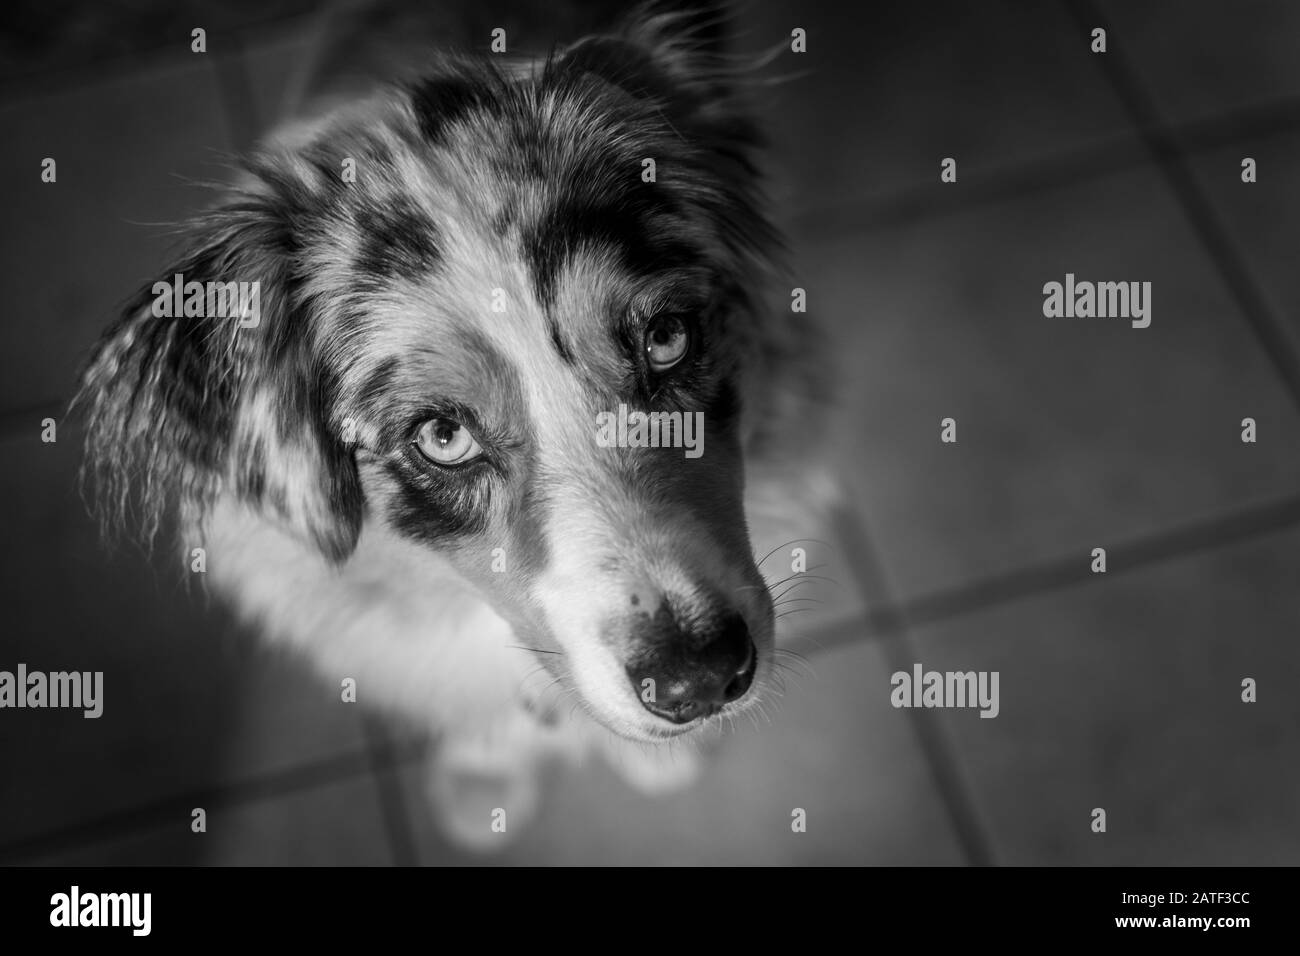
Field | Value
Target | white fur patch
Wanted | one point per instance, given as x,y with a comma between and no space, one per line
396,618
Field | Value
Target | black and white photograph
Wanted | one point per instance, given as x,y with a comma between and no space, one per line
684,433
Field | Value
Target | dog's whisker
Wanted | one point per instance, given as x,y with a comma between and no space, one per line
562,693
800,579
759,562
803,575
788,606
800,659
535,650
795,610
779,675
796,600
814,641
787,652
536,669
791,588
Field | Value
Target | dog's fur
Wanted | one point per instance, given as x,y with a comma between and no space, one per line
482,601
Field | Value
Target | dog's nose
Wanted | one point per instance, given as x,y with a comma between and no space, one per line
693,676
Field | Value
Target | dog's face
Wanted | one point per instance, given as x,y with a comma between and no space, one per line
473,292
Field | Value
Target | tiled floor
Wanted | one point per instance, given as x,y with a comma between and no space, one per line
191,704
990,85
1126,695
1261,222
1193,63
1071,433
1119,691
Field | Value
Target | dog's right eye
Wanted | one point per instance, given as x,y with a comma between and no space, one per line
446,442
666,341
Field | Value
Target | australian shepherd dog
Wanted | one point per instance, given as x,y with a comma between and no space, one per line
520,397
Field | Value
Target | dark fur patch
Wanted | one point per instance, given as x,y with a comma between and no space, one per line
441,506
637,227
378,385
618,63
397,240
557,341
440,101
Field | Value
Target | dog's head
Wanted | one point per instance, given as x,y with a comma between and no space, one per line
509,315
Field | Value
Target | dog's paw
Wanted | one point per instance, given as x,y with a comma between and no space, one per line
483,794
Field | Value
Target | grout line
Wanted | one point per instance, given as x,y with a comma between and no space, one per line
936,743
1163,141
1053,575
1141,553
913,202
152,816
392,801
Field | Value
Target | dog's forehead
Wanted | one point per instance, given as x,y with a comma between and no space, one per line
456,302
532,223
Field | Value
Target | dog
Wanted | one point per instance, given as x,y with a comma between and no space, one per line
397,464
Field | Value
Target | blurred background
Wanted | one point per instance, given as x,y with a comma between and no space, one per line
1119,690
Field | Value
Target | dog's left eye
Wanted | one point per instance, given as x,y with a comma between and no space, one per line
666,340
446,442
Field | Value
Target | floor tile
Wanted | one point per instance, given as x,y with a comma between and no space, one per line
1203,57
1263,217
124,150
1072,433
170,845
189,700
82,39
886,91
327,52
1125,694
334,825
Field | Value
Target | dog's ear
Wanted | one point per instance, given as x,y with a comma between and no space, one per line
672,59
209,391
